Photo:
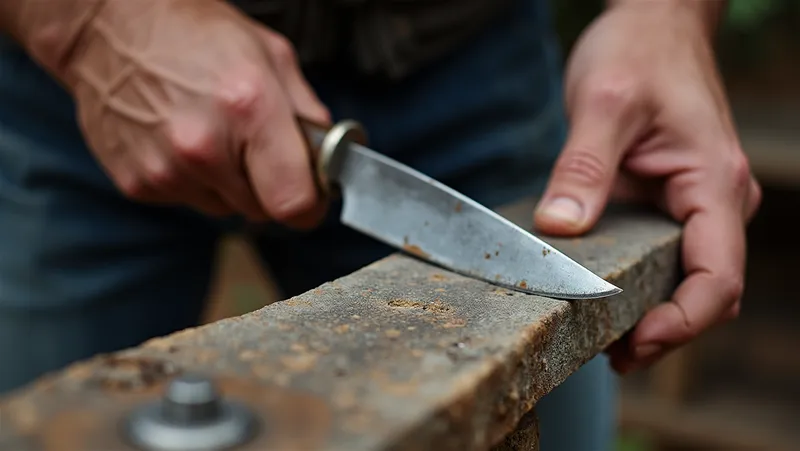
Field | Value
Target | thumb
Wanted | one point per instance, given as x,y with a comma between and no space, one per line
585,172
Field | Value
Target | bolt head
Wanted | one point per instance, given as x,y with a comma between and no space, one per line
191,416
191,389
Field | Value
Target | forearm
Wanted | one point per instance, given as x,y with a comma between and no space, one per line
708,12
49,30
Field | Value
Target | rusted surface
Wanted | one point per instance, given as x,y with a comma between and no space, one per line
92,417
414,249
401,355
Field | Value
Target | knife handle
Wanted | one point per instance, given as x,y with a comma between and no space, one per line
323,143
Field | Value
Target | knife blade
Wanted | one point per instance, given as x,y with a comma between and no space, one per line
412,212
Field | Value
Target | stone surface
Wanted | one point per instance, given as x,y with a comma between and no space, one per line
400,355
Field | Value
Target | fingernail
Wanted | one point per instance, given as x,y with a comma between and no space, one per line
563,209
648,350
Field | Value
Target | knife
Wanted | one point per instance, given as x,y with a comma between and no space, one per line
412,212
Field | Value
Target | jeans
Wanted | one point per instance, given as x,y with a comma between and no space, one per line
84,270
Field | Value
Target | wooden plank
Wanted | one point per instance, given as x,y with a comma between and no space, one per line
400,355
732,423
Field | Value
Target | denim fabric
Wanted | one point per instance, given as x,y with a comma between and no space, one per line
83,270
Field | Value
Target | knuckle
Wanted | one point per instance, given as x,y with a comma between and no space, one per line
242,92
738,172
613,93
731,287
161,176
194,146
46,43
282,50
582,166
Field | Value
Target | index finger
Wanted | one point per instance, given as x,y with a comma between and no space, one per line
714,259
275,157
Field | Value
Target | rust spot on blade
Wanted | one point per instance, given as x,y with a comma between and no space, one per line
459,207
487,256
413,249
545,251
523,284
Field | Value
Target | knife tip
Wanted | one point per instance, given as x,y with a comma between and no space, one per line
610,290
607,290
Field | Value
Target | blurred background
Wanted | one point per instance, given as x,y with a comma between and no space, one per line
736,387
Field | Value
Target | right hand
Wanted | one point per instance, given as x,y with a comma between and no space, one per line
190,102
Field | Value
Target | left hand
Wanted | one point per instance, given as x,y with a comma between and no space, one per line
650,121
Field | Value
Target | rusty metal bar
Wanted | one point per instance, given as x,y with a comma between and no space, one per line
525,437
400,355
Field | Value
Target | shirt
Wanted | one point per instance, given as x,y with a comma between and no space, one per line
388,38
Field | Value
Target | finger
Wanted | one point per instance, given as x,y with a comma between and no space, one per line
205,150
167,182
275,156
604,125
303,100
621,355
285,62
134,182
713,248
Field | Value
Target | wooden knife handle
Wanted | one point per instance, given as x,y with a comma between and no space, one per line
323,143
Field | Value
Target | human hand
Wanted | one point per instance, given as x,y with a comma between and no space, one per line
650,121
189,102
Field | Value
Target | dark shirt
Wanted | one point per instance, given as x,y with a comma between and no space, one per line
389,38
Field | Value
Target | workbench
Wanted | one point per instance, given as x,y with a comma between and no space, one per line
400,355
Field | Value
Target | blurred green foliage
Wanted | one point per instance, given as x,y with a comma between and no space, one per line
748,34
744,15
756,33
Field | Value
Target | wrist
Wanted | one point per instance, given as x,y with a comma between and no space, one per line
707,13
49,35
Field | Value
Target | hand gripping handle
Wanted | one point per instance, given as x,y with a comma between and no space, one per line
325,143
